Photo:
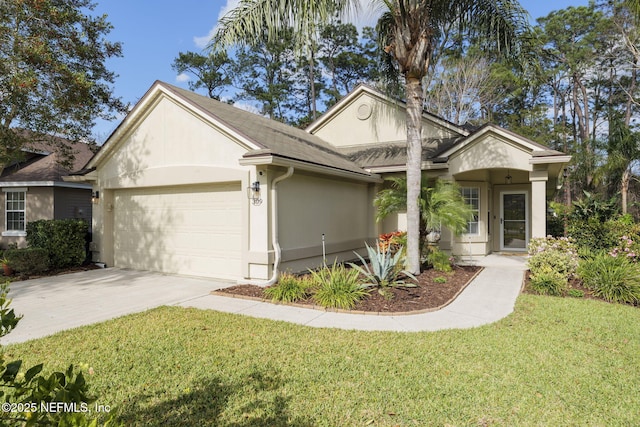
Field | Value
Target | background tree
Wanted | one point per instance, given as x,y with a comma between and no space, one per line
53,78
211,72
409,31
264,71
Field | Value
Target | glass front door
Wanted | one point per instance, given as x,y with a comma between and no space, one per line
514,228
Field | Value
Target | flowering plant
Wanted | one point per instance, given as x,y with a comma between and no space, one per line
628,248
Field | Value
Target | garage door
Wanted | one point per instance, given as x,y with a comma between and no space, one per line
191,230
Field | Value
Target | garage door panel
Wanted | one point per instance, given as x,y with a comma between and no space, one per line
194,230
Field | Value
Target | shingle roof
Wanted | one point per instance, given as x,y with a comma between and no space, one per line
45,160
276,138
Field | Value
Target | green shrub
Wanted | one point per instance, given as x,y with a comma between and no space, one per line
440,280
385,270
439,260
289,289
547,281
28,261
557,254
615,279
337,287
575,293
63,239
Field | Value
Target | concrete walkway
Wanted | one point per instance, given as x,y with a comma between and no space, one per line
490,297
53,304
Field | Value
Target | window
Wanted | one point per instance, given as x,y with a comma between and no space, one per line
471,196
15,210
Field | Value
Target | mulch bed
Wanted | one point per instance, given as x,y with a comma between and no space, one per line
427,296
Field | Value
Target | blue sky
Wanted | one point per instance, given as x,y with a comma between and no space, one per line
154,32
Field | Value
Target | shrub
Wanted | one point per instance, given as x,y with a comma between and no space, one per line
557,254
575,293
337,287
627,248
439,260
386,269
63,239
28,261
440,280
615,279
395,241
289,289
547,281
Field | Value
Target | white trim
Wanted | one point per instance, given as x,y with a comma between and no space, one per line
543,160
526,218
15,190
14,233
298,164
425,166
43,184
478,222
495,130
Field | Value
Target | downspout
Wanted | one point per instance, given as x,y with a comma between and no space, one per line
274,231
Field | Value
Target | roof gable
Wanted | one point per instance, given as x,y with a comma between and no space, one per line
255,133
366,117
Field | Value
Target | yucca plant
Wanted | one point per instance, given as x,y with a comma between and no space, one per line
385,269
337,287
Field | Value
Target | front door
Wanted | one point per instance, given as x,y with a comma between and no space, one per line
514,224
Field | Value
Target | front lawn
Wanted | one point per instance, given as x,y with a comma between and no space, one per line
554,361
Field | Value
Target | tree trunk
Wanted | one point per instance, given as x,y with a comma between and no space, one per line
414,171
624,190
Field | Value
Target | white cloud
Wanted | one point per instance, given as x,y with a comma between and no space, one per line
183,77
203,41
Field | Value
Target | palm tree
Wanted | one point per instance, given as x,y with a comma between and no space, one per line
441,205
409,31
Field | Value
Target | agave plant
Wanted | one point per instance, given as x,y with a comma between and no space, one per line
385,269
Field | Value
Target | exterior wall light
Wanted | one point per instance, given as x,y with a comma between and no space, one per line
95,197
253,193
508,179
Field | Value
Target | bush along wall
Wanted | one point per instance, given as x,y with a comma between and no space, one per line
63,239
28,261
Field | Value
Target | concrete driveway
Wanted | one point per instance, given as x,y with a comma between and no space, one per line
53,304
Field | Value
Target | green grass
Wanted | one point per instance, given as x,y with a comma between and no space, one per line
554,361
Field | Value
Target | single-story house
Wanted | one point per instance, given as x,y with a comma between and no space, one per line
191,185
32,186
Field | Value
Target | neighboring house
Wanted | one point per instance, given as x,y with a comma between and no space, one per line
32,188
190,185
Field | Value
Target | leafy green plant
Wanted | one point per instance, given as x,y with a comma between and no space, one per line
63,239
439,260
289,289
615,279
575,293
440,280
337,287
547,281
383,270
28,260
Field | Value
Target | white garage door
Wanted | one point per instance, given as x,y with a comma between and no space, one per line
191,230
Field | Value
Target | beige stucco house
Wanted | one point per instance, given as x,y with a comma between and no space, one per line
32,187
190,185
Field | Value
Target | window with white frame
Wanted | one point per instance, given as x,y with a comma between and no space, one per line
471,196
15,210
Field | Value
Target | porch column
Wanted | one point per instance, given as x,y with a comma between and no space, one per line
538,179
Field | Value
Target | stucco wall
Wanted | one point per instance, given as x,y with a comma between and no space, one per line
170,146
310,206
369,120
39,205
